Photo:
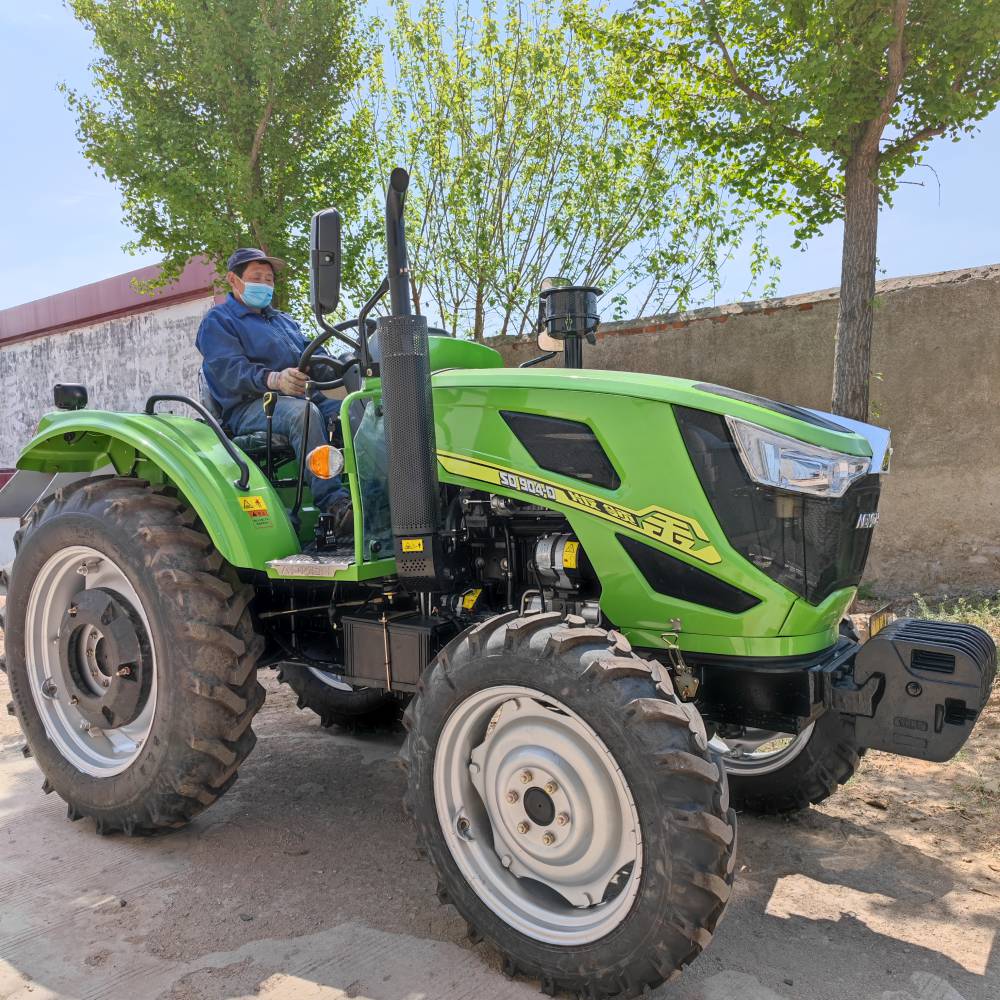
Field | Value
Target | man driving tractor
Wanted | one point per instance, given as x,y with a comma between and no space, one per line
250,348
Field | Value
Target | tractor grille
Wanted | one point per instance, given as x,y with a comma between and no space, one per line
811,545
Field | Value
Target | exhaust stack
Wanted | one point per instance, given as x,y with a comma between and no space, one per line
414,492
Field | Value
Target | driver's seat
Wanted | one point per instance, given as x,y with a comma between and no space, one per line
253,444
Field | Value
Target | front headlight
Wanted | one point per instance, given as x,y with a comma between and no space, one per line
774,459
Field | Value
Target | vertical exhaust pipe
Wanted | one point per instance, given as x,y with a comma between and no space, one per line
414,492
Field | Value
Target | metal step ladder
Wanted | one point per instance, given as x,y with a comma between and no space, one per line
302,564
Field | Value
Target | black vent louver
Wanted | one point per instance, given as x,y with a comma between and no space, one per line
567,447
674,578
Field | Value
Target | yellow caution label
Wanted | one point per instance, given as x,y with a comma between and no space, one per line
571,555
470,597
669,528
413,545
256,509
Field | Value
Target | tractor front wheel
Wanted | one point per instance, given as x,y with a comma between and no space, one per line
570,804
132,656
772,773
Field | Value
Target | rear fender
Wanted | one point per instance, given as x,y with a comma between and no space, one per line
248,527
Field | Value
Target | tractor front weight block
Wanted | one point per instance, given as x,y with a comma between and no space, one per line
929,681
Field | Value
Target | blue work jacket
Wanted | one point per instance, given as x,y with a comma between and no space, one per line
241,346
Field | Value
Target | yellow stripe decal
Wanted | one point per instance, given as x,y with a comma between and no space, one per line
664,526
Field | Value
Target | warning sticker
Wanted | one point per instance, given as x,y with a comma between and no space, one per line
470,597
413,545
571,555
256,509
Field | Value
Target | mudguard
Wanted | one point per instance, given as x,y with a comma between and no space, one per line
248,527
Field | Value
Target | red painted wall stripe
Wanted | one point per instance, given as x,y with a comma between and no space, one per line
102,300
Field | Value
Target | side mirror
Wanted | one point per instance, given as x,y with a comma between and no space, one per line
324,262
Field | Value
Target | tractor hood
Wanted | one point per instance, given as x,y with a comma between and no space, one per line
814,427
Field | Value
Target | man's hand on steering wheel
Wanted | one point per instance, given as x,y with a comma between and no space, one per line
290,382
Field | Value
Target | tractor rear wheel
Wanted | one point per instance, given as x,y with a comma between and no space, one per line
336,702
570,804
131,655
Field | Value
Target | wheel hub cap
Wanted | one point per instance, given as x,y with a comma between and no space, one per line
538,815
103,658
91,666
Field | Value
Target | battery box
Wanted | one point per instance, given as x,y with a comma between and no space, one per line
392,654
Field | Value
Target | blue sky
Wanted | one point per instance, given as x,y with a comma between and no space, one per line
61,222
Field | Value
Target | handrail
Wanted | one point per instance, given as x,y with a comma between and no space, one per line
243,483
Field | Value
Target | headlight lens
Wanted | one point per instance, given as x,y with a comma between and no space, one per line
789,464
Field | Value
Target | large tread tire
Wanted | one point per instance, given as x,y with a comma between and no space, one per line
204,641
827,761
361,710
679,789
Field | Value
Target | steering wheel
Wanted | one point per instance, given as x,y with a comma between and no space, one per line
335,366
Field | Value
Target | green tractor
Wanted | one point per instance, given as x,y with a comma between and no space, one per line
609,606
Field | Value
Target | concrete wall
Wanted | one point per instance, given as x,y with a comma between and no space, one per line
937,347
121,361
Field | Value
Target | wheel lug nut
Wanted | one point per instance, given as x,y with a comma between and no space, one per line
551,787
512,797
549,839
562,819
523,827
526,777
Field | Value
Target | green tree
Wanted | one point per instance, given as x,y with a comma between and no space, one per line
818,108
527,161
227,123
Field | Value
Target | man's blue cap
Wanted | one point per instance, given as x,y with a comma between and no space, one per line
246,254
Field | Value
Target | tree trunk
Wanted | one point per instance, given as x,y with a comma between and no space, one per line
852,351
479,316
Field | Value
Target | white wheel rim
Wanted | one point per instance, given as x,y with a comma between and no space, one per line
760,751
568,881
330,680
102,752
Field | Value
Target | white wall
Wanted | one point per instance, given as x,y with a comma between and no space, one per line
121,362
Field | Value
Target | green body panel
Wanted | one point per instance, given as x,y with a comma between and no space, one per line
630,415
449,352
660,388
189,455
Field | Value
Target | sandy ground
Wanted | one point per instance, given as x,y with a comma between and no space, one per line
305,882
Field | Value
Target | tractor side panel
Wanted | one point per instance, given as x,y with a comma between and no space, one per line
248,527
659,503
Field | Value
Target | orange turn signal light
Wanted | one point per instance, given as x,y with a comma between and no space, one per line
325,461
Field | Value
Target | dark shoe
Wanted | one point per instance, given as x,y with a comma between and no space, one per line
341,513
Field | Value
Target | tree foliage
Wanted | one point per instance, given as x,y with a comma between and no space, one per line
228,123
818,109
528,160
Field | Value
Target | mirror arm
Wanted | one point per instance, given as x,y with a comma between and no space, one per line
531,362
362,321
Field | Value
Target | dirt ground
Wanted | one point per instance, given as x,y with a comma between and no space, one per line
305,882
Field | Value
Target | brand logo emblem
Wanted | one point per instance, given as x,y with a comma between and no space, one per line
867,521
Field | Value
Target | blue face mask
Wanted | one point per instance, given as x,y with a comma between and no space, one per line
257,295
